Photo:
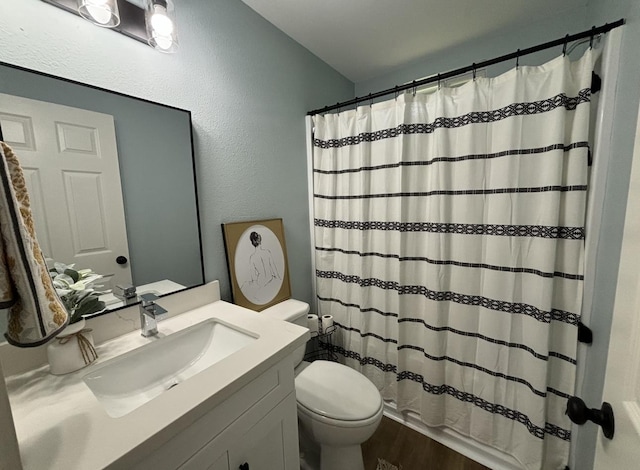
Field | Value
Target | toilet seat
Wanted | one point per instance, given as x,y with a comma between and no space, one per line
336,423
337,394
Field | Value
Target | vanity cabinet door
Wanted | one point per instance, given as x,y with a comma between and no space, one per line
200,445
222,463
272,443
269,442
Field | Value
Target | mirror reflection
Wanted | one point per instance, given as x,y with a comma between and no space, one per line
111,179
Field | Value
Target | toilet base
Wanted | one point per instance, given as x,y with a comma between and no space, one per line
341,458
314,456
309,450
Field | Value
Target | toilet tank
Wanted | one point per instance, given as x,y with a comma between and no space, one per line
292,311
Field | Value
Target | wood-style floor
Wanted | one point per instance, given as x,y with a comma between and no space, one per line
409,450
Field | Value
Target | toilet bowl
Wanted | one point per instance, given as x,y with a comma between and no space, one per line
338,407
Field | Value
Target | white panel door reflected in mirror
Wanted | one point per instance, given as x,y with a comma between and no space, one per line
70,161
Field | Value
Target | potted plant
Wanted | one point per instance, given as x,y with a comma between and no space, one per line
76,290
73,348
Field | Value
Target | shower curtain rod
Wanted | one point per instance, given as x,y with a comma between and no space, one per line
469,68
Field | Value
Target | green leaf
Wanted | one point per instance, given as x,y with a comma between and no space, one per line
89,305
73,274
75,317
63,281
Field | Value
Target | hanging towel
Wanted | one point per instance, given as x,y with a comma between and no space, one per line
36,313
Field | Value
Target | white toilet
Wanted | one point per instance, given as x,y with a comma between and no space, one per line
338,407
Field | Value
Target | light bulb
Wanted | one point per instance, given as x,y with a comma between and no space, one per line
160,22
161,28
164,42
100,12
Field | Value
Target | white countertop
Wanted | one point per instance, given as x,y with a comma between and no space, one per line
61,425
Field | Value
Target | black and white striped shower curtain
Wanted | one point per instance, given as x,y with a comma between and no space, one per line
449,241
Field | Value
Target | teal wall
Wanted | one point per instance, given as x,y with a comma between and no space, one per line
248,86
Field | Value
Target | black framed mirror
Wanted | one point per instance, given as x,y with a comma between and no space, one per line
157,174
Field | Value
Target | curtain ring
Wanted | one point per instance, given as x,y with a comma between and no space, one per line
593,33
338,106
564,47
474,71
414,87
370,100
438,81
396,92
517,59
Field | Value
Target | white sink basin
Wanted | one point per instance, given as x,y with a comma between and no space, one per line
126,382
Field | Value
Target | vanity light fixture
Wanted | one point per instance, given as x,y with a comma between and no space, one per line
151,22
161,28
100,12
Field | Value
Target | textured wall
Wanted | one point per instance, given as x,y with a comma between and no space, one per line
247,84
248,87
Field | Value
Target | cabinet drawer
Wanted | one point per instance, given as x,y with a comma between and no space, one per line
253,400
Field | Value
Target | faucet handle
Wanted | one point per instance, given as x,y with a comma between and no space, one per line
125,290
148,303
148,299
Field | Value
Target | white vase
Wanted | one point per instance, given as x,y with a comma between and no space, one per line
68,353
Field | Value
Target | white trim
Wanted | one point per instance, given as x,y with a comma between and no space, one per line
601,157
597,189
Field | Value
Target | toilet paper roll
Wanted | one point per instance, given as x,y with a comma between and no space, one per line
327,322
312,323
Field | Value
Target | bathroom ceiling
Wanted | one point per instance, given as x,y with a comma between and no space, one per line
364,39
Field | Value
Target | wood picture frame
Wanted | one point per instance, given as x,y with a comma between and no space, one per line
257,261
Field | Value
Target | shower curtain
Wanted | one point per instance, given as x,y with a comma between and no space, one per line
449,247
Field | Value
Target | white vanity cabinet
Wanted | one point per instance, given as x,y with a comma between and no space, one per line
270,444
239,409
255,428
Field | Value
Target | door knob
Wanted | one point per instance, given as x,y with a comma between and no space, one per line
244,466
121,260
580,414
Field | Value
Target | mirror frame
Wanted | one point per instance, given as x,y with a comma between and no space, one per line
193,166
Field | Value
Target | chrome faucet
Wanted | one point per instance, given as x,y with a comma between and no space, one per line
126,293
149,312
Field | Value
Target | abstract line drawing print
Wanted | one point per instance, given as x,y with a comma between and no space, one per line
260,265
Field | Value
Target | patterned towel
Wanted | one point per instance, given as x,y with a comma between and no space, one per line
36,314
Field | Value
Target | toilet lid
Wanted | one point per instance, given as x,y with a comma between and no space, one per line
337,391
